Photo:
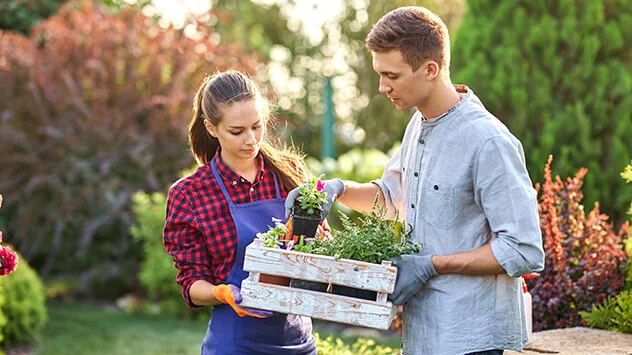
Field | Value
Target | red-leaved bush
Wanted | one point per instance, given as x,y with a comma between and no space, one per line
585,259
94,106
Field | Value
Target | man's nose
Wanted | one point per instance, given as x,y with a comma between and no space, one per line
384,87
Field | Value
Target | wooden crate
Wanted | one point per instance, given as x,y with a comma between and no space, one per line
373,277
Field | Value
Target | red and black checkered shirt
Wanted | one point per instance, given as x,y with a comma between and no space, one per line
199,231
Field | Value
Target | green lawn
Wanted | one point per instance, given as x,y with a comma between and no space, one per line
85,329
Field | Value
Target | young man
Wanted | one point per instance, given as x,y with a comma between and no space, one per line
461,179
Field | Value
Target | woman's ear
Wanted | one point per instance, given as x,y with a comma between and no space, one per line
210,128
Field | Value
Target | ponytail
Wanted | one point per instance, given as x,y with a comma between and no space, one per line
203,145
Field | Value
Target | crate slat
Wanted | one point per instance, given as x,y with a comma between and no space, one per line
351,273
320,305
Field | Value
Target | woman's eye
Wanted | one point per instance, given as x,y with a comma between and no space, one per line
235,133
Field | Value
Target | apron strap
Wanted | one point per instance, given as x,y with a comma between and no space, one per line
220,181
223,187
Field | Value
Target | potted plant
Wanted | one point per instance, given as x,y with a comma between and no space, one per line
373,240
307,211
281,236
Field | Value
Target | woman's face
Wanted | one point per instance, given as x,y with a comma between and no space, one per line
240,132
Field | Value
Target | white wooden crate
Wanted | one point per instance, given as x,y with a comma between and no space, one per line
301,266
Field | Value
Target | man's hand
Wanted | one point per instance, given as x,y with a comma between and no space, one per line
231,295
334,189
413,271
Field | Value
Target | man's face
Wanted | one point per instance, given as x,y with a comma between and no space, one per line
405,88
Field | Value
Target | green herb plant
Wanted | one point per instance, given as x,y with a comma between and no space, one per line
275,234
374,240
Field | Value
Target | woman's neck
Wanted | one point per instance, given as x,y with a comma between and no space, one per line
246,168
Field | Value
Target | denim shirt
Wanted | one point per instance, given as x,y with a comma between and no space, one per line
461,182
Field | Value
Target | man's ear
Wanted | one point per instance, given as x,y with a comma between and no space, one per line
431,69
210,128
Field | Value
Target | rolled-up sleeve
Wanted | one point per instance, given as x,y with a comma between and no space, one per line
391,185
184,243
503,190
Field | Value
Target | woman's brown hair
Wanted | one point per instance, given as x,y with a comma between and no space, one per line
416,32
225,88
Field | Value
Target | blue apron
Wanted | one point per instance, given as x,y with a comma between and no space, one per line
230,334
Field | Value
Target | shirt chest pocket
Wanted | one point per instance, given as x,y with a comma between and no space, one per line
438,204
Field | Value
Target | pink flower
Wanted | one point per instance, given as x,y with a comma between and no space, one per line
0,237
8,261
320,185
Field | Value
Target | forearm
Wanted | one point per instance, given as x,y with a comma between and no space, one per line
201,293
479,261
360,197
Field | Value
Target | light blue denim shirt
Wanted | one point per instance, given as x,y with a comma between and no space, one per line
462,182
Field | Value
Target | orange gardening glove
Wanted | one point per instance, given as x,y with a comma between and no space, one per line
231,295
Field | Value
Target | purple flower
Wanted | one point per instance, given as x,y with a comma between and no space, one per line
320,185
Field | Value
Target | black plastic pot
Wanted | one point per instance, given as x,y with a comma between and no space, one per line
309,285
354,292
305,225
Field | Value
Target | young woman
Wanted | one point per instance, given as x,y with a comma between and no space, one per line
213,214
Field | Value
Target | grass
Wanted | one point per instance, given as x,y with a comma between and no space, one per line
77,328
85,329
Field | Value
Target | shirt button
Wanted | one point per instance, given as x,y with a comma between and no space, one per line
242,180
234,183
436,187
421,141
252,189
416,174
412,205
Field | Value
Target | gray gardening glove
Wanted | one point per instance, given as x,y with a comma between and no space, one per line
334,189
413,271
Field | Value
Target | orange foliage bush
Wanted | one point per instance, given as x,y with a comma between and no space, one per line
93,107
585,259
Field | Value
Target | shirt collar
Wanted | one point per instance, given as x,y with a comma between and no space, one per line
230,175
466,96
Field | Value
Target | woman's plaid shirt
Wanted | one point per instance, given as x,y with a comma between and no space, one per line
199,231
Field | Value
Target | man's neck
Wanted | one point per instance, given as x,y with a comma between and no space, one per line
442,99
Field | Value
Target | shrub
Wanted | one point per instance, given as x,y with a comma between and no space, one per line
558,75
585,261
614,314
3,317
157,273
94,107
627,175
24,306
19,15
331,346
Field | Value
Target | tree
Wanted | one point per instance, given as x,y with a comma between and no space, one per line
559,75
299,65
92,114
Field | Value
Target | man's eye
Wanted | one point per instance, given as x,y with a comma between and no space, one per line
392,77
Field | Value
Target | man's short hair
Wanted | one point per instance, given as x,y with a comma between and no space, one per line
416,32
